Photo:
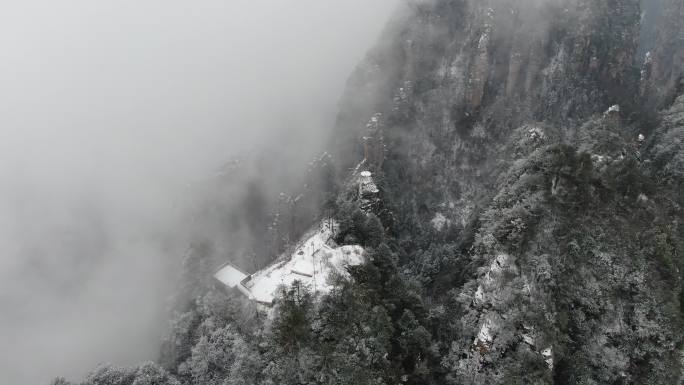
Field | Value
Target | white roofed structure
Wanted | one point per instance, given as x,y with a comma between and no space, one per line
230,275
312,263
366,184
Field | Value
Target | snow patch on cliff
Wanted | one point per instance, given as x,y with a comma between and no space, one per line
439,221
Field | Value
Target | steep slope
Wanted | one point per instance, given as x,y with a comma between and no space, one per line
529,132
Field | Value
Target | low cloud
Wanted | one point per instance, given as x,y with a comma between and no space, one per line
109,113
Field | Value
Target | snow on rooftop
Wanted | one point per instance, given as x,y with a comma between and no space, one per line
312,263
366,184
230,276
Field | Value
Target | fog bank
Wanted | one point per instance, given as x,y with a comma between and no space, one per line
108,111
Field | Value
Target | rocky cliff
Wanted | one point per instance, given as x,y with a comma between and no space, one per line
529,155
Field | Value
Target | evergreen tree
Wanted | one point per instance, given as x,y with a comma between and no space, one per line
291,326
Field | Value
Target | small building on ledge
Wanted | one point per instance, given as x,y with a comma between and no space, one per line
367,186
313,262
368,191
232,278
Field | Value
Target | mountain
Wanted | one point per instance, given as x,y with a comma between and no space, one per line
552,152
528,228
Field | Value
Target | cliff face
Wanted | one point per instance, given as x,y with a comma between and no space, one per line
453,79
529,155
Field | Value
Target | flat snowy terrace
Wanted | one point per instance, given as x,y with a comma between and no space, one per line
312,263
230,276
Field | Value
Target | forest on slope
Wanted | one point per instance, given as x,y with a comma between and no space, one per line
530,161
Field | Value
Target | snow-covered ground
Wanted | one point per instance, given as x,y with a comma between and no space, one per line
312,263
